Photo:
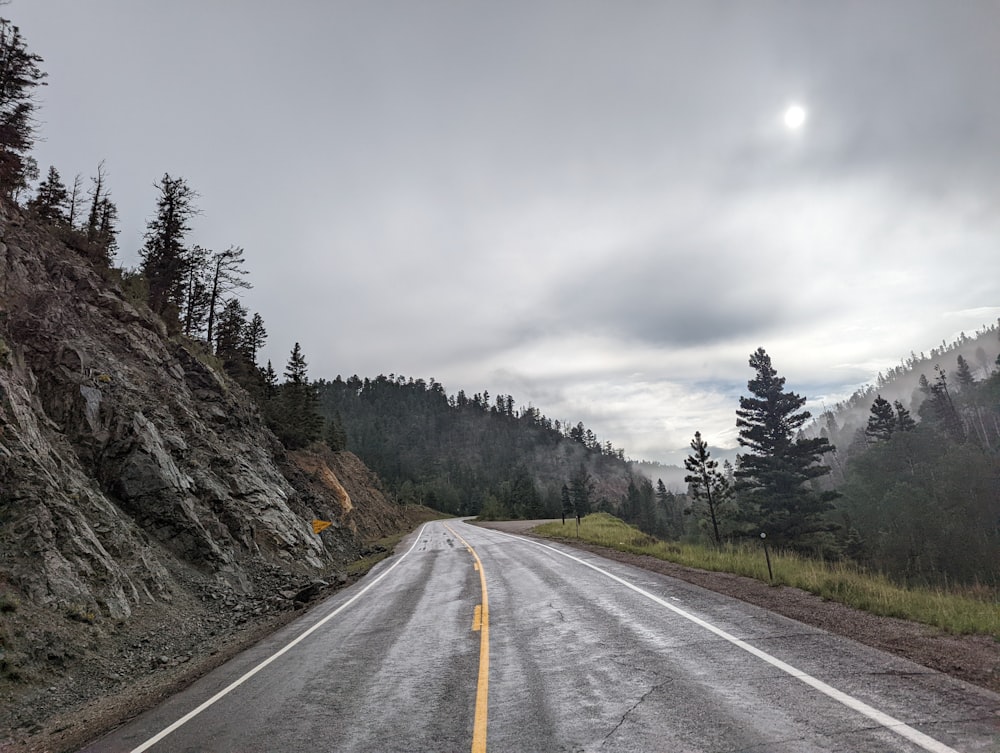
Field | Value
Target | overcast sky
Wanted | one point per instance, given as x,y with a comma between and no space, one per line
596,207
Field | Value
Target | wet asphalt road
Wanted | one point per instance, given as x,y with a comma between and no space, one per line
580,659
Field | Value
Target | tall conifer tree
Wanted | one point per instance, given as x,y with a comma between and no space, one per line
773,477
299,422
50,201
705,482
19,75
882,421
164,256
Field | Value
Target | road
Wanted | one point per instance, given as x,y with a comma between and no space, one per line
473,639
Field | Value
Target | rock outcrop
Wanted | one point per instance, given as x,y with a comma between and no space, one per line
132,473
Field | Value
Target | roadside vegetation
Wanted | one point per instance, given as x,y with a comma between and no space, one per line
969,610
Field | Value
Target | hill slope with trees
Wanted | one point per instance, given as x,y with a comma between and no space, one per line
920,479
475,456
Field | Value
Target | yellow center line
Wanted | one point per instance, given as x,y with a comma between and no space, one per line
482,687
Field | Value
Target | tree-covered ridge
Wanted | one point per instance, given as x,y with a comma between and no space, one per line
845,422
921,500
915,499
465,454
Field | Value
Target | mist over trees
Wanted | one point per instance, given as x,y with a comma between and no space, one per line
917,463
909,491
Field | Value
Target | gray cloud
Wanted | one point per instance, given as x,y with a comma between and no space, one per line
671,298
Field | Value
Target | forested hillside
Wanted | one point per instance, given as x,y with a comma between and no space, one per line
919,476
963,361
912,493
474,456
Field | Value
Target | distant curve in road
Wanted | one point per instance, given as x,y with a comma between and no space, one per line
582,654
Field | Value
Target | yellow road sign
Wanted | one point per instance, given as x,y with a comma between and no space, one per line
321,525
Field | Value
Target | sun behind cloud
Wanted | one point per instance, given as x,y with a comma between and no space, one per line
795,116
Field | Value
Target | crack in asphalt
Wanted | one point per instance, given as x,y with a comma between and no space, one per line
633,667
901,672
634,707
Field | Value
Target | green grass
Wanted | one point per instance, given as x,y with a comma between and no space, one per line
972,612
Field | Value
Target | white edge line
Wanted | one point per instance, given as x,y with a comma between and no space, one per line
883,719
236,683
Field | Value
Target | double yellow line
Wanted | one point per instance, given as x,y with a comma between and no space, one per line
481,623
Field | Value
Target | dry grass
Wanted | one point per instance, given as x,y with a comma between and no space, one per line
970,611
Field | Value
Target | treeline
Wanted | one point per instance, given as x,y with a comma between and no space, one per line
920,476
921,499
195,291
473,455
844,423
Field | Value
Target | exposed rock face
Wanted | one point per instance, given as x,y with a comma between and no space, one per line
129,469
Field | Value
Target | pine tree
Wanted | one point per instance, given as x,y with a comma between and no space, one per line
256,336
669,508
904,421
19,75
773,477
939,407
99,233
567,503
270,379
73,201
164,256
50,201
196,298
297,422
231,333
297,369
882,421
106,240
225,275
581,486
704,481
97,193
964,374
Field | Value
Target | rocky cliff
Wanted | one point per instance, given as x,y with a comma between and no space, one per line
135,478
